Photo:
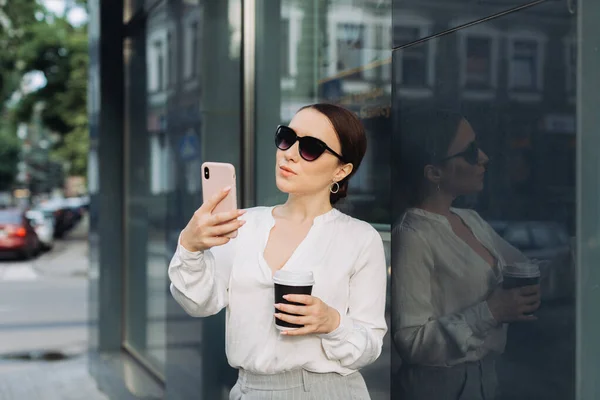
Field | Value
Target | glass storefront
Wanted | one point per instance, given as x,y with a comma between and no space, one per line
337,52
207,80
513,79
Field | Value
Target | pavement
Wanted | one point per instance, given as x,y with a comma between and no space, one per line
44,324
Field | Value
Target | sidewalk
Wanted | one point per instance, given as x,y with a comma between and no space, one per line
50,380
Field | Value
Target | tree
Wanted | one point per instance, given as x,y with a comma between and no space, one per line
9,158
52,46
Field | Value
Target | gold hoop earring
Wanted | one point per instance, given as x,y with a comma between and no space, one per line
336,186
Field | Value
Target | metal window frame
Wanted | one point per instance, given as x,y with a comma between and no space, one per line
587,251
248,114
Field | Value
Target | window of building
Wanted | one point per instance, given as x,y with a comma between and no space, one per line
478,50
571,67
160,67
285,50
171,78
478,62
414,66
383,39
525,58
194,33
191,52
350,46
412,70
524,65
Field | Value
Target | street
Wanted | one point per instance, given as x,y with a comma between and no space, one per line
44,324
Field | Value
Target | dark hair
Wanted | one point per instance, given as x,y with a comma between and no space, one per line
422,137
351,134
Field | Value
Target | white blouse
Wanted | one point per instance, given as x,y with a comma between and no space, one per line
347,259
440,316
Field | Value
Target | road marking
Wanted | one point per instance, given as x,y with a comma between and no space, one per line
19,273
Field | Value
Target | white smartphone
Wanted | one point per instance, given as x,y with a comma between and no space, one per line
215,177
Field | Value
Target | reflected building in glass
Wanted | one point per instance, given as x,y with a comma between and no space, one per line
509,68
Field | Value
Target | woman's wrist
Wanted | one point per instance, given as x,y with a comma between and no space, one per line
335,319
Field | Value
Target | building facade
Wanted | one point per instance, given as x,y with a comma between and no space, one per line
174,83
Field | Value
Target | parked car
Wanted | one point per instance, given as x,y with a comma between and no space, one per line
43,224
65,218
549,243
76,205
17,236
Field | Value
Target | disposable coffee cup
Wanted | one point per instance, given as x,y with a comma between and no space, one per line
291,282
520,274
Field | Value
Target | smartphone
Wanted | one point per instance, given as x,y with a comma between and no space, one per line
215,177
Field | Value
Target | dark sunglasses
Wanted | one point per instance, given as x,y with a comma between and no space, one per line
310,148
470,154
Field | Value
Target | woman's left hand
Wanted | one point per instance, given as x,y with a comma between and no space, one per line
315,315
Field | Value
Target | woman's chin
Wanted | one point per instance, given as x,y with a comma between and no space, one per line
283,185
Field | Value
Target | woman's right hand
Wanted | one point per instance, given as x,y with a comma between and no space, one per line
512,305
206,230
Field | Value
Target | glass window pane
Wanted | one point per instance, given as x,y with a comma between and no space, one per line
183,108
518,237
447,14
504,198
478,65
338,52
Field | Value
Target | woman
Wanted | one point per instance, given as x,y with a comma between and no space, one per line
343,320
449,313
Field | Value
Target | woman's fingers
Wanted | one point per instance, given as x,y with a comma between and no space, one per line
292,309
298,332
216,241
526,318
224,217
300,298
224,229
529,308
214,201
293,319
529,290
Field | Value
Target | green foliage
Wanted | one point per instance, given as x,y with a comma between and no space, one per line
51,45
9,158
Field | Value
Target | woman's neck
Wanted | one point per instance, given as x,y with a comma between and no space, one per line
438,203
302,208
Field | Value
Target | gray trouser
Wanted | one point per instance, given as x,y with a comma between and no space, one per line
299,385
468,381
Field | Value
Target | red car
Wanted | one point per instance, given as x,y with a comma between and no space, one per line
17,236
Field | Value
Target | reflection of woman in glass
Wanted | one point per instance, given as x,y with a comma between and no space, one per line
343,320
449,312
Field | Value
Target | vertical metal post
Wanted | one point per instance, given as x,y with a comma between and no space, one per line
248,173
588,202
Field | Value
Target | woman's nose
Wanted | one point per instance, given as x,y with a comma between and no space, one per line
293,152
483,158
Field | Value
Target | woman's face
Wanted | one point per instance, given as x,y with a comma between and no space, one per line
458,175
293,174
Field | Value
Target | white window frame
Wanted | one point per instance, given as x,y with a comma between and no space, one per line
156,96
348,14
540,39
295,16
425,27
191,80
494,35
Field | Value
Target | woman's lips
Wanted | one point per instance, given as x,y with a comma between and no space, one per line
285,171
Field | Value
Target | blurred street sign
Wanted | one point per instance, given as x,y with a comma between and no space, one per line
189,146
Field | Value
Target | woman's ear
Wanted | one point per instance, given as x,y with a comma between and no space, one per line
432,174
343,172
